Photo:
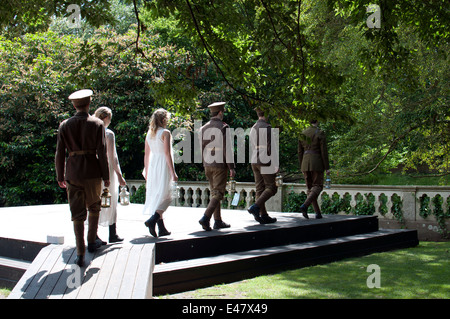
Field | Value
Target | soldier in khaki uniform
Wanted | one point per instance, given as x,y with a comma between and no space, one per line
81,173
218,158
261,142
313,158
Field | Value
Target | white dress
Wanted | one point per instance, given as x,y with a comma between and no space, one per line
108,216
158,186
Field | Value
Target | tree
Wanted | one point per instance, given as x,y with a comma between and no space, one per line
21,16
289,56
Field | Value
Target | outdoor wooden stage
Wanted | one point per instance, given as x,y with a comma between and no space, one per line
115,272
187,259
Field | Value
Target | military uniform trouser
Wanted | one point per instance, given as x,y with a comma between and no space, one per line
314,184
265,188
84,196
217,178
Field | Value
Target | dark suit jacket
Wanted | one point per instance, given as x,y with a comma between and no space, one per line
312,151
81,132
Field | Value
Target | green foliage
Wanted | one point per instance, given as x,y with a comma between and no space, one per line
382,94
27,16
397,211
139,196
425,210
293,202
365,205
40,70
335,204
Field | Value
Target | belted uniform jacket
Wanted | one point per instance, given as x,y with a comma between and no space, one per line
261,143
217,146
83,136
312,151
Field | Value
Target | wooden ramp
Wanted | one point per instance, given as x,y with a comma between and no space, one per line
112,272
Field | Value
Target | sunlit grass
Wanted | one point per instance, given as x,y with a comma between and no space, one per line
419,272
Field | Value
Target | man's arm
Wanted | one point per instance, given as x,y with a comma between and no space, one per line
60,159
101,154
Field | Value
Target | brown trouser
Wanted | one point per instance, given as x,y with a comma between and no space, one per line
217,177
314,183
84,196
265,188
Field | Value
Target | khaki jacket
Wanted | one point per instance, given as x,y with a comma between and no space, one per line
312,151
261,143
217,146
83,136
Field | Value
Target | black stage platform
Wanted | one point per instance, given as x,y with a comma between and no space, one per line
191,258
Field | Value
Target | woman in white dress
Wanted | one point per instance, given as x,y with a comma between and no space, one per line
108,216
159,171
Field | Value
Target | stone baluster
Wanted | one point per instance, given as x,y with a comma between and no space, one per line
204,197
196,197
389,204
353,202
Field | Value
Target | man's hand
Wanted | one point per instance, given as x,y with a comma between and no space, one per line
107,183
232,173
62,184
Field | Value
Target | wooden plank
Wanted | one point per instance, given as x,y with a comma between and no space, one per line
21,287
61,285
126,290
143,287
62,257
105,273
44,272
115,282
91,275
72,292
115,272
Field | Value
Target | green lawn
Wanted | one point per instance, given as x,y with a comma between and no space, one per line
419,272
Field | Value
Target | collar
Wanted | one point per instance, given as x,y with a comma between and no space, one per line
82,114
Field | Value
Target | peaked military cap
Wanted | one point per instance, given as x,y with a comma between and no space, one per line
81,97
217,107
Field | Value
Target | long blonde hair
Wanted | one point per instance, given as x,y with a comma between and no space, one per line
158,119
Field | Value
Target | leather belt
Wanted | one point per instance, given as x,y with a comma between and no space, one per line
311,152
75,153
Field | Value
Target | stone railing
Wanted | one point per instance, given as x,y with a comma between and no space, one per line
396,206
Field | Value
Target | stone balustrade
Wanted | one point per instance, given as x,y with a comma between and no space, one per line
396,206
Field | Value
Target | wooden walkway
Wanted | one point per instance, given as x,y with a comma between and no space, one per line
118,271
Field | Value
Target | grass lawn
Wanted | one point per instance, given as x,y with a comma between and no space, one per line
420,272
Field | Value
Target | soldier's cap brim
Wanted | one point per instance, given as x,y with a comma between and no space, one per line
217,106
81,94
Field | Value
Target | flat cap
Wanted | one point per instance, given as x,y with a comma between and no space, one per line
217,106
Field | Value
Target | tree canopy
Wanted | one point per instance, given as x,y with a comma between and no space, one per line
381,93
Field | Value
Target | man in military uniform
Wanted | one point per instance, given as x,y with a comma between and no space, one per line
218,158
313,158
81,173
261,143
